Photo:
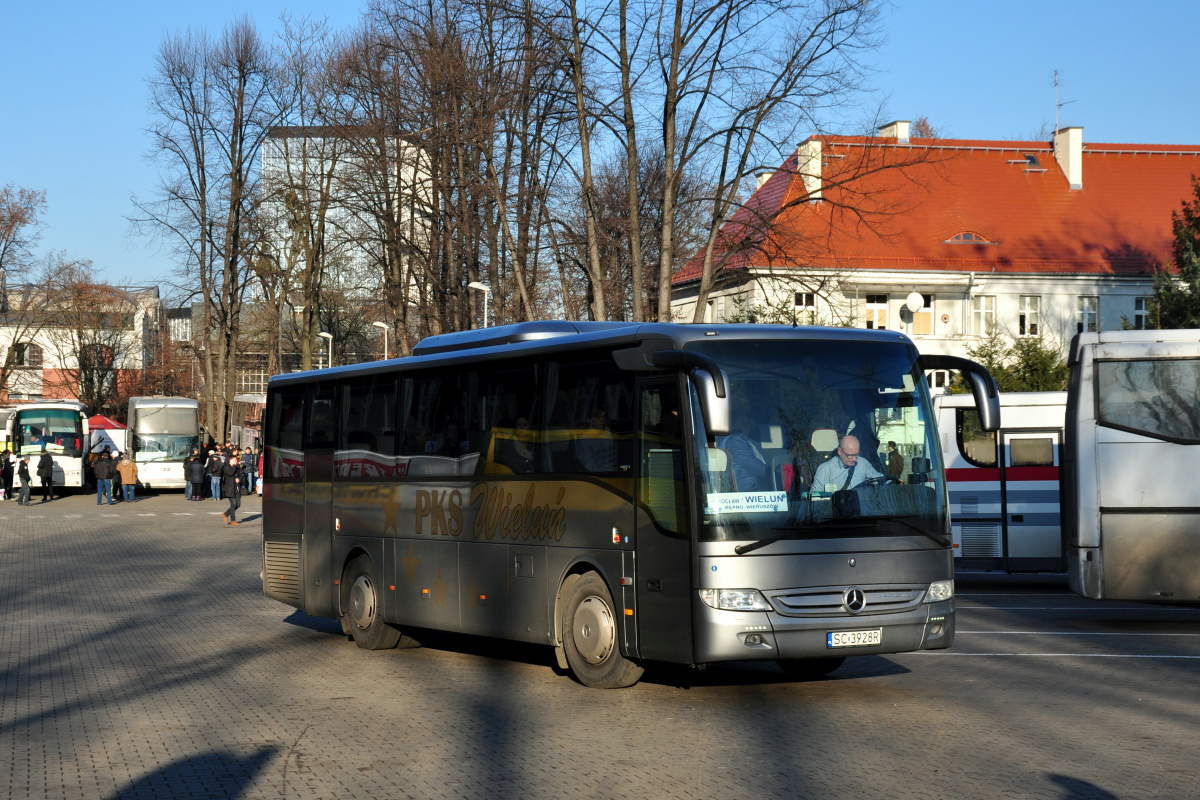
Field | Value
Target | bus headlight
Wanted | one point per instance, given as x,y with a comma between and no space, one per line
939,591
735,599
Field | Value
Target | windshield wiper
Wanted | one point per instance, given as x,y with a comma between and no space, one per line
794,530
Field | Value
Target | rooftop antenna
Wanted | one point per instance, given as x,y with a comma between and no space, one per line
1058,105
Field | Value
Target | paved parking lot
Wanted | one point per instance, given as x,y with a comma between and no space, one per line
140,659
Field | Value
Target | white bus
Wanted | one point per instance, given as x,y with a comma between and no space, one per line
57,426
1130,493
163,431
1004,485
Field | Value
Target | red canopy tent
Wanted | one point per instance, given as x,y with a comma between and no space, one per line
101,422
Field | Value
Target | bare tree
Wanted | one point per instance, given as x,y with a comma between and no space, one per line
213,103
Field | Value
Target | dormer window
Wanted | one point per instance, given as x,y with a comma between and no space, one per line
968,237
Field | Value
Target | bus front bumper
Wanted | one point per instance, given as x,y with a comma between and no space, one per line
767,635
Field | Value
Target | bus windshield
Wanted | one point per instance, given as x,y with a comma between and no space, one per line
58,430
829,439
163,446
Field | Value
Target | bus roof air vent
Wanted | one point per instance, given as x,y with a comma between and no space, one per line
509,334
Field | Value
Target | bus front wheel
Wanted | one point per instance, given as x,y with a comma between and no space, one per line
589,636
362,615
809,668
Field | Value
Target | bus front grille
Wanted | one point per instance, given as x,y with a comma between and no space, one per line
829,601
283,571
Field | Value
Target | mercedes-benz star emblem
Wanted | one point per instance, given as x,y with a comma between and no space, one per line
853,600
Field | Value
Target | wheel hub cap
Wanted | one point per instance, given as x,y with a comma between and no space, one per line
594,630
362,602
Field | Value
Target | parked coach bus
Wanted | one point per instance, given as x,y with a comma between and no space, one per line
1004,485
57,426
621,492
1131,496
163,432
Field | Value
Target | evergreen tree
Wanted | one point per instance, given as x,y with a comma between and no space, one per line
1177,292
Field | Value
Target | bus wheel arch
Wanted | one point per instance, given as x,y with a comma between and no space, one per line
570,575
588,633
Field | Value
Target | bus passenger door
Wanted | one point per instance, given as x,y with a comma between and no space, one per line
663,564
1031,509
318,502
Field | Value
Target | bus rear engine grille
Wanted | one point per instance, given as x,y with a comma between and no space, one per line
828,601
283,571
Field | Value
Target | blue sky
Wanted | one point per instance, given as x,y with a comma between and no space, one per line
73,109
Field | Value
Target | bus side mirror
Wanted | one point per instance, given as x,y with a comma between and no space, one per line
983,385
711,384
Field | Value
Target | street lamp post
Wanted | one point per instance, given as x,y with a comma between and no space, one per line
383,326
328,337
487,295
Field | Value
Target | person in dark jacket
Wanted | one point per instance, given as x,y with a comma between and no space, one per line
103,470
231,487
23,475
7,473
195,475
45,471
187,474
213,468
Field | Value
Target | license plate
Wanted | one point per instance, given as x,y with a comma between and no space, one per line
853,638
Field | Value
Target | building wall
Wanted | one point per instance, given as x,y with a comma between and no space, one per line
950,325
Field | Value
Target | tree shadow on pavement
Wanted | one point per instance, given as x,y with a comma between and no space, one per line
216,775
1078,789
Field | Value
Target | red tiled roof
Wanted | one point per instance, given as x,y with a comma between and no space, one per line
893,207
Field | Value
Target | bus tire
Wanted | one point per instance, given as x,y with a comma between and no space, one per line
809,668
362,615
589,636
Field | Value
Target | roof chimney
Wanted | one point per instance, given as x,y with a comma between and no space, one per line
808,164
1068,152
763,177
897,130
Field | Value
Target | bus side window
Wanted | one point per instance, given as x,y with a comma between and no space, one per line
977,446
432,440
662,489
591,423
285,442
504,419
367,434
322,423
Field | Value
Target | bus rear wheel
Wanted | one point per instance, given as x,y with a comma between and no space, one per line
810,668
362,617
589,636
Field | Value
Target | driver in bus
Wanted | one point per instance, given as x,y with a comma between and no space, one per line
846,471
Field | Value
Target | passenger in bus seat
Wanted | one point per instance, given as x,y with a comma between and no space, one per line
596,450
750,466
517,453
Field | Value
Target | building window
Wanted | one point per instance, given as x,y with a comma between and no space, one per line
1088,314
877,309
26,354
1141,313
967,237
983,314
1029,315
806,308
923,319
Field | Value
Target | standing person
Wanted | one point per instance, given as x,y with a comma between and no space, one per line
45,471
895,462
128,472
23,475
213,468
195,475
6,474
231,480
248,470
103,470
187,474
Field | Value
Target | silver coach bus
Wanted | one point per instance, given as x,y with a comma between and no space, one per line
1131,500
621,492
